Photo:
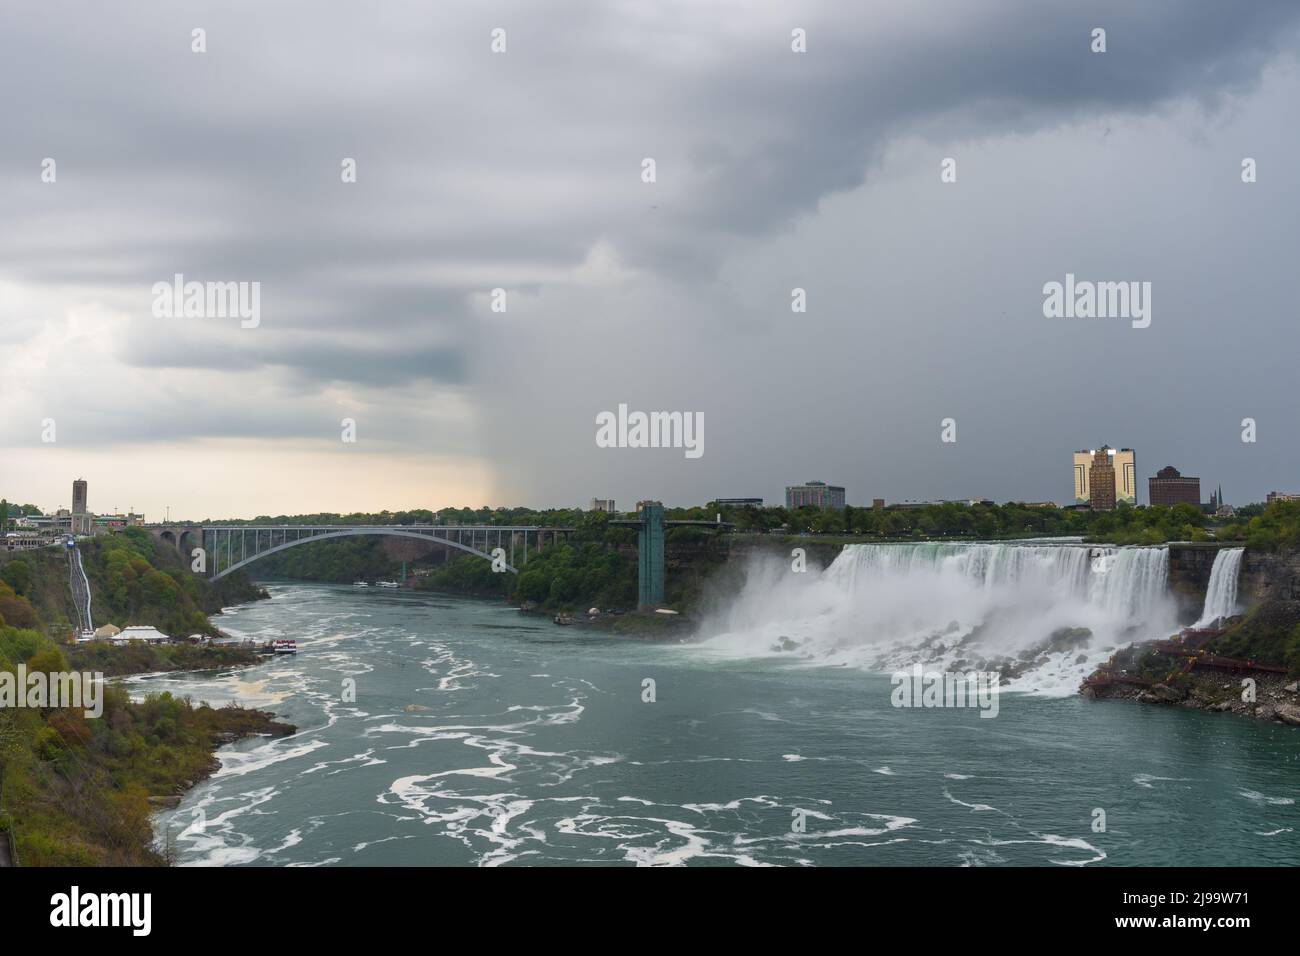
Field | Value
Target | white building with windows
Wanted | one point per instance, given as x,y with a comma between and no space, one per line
140,632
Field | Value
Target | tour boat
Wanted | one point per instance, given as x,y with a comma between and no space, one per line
286,647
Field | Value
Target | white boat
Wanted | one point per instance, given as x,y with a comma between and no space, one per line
360,584
285,647
388,584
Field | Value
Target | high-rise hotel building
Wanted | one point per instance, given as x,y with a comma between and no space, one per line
1101,481
1124,461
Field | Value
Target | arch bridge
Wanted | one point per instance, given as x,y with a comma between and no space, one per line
232,547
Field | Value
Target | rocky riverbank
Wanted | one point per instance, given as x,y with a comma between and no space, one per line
1249,668
1249,665
653,625
223,726
1275,697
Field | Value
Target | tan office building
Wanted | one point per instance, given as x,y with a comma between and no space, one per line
1124,462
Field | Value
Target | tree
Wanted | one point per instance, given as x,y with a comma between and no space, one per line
18,575
15,611
534,585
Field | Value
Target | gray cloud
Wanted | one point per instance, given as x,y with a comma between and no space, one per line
775,170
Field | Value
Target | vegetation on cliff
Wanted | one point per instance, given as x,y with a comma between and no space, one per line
138,658
1126,524
76,790
1275,527
1268,634
340,561
1272,527
594,567
134,579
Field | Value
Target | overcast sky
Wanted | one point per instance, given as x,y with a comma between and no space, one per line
522,170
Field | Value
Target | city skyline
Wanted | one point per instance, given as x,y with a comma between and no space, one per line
1167,474
378,301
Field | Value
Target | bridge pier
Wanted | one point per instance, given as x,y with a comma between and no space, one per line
652,549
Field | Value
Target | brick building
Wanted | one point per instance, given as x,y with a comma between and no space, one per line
1169,487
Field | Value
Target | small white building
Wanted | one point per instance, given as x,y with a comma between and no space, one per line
140,632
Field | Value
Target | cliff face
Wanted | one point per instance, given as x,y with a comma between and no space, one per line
1263,574
1189,577
1190,564
819,553
1270,577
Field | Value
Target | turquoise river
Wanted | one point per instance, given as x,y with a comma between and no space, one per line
481,736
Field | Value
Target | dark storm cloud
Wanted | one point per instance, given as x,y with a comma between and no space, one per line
309,361
478,171
248,136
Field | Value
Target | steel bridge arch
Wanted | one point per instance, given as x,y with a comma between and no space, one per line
352,533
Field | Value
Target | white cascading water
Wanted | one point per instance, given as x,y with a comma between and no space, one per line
1045,615
1221,595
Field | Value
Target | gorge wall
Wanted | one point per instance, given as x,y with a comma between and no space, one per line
1264,575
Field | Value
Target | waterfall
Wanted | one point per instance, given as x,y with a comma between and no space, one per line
1221,595
1135,582
1044,614
1129,582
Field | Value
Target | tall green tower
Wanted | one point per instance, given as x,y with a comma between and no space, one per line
650,545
